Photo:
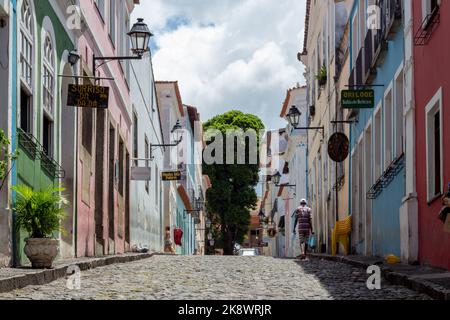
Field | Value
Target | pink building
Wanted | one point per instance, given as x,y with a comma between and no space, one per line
432,92
103,211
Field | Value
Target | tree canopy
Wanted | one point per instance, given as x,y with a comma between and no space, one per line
233,194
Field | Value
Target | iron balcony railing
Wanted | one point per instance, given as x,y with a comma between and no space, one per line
36,151
374,49
387,177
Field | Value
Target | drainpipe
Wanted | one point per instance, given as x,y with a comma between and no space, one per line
75,189
13,35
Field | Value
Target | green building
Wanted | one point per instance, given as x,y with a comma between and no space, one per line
44,125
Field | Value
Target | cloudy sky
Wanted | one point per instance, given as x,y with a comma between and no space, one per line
228,54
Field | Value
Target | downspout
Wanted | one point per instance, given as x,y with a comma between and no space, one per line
13,34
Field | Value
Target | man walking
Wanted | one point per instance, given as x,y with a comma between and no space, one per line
305,229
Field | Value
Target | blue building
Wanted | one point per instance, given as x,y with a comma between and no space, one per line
377,185
8,71
189,190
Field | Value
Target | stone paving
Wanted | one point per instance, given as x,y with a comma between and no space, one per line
219,278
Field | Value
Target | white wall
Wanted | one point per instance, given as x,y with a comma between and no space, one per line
147,208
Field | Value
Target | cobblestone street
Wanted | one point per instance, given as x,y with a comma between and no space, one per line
218,277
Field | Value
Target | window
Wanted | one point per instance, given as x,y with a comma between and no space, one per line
101,8
399,122
434,146
157,185
112,21
25,111
47,141
355,48
388,129
48,84
48,93
362,21
127,48
430,7
377,142
147,163
87,125
121,167
26,44
135,139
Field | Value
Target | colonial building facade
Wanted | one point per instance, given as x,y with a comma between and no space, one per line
430,25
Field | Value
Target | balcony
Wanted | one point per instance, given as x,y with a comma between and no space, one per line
375,48
36,151
427,28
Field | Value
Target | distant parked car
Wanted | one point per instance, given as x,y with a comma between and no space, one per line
249,252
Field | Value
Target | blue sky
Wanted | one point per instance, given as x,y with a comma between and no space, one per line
228,54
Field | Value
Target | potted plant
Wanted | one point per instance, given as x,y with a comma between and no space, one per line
322,76
40,214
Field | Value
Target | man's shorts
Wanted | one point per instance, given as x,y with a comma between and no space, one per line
304,237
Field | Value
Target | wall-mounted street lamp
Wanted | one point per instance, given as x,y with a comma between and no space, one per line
294,120
276,180
73,57
140,38
155,146
176,127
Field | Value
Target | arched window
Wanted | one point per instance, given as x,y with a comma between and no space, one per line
48,84
48,94
26,44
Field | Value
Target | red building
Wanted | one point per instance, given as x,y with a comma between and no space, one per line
432,96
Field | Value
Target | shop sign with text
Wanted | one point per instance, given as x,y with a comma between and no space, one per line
88,96
358,99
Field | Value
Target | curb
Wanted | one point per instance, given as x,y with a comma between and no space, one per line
395,278
42,277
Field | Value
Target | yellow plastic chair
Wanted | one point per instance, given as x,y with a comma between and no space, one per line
341,234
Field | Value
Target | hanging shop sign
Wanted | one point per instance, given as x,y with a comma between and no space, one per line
338,147
358,99
141,174
88,96
171,176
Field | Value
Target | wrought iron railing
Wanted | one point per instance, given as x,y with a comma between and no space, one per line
36,151
375,43
387,177
29,144
427,28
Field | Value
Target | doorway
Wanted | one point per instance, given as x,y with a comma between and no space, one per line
99,181
111,179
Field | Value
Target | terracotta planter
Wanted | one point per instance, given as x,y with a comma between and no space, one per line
41,252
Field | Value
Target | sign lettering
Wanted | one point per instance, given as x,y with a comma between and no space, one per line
358,99
171,176
88,96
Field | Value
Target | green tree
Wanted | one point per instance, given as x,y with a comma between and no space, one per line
233,194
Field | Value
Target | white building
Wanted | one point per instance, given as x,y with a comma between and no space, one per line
295,168
171,110
147,205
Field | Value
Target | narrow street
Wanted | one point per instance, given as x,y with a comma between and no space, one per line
219,277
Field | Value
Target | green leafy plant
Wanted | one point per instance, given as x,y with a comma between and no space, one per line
322,76
40,212
5,158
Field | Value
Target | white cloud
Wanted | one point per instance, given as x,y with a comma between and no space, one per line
228,54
